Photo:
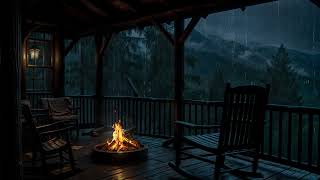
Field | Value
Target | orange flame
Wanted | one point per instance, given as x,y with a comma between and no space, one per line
120,140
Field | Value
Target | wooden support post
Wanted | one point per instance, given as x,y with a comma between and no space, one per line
101,45
10,60
70,46
23,69
58,64
179,69
180,35
99,80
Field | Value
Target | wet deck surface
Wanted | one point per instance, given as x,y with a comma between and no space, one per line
156,167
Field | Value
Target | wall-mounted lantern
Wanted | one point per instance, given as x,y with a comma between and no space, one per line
34,53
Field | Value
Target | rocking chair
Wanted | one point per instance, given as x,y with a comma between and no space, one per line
61,109
241,131
51,139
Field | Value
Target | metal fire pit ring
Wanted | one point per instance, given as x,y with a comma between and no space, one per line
119,157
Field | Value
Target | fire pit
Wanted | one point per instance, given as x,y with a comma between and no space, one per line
122,148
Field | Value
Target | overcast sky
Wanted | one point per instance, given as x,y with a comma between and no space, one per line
295,23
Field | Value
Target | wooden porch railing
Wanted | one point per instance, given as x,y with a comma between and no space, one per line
291,134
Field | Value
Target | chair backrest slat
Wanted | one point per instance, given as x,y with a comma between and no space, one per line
243,116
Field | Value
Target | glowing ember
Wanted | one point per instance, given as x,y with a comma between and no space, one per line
121,140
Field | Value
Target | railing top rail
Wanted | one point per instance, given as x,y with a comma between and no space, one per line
85,96
39,92
272,107
140,98
190,101
287,108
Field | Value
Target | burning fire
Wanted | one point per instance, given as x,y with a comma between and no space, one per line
121,140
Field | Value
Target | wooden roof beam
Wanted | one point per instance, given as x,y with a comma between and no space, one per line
106,41
187,11
70,46
123,6
164,32
316,2
92,7
194,21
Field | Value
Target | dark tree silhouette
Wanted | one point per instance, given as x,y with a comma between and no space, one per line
283,80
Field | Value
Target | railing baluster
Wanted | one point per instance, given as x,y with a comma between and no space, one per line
201,116
141,116
159,111
164,118
209,122
128,117
154,118
270,132
215,114
280,135
135,111
196,117
170,119
106,112
299,137
150,116
289,135
318,141
190,111
145,117
310,138
87,113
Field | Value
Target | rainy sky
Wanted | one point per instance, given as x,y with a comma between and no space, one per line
295,23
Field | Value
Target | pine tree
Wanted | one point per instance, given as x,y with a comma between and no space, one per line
283,80
216,84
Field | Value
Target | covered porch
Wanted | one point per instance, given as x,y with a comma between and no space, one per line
156,167
291,143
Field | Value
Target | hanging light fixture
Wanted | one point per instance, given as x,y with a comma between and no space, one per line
34,53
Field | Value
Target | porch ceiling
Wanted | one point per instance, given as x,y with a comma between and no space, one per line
83,17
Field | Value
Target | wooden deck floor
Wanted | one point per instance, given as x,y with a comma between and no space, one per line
156,167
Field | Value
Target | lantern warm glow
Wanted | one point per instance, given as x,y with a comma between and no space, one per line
34,53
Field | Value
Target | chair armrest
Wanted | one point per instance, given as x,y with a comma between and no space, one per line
195,126
50,125
40,110
75,108
40,116
56,131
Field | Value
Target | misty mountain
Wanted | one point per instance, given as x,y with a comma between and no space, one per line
213,50
293,22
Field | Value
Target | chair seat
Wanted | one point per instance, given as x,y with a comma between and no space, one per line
54,144
65,117
208,142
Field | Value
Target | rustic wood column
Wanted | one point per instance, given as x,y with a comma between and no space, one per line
101,44
179,68
58,64
10,59
99,80
180,36
23,69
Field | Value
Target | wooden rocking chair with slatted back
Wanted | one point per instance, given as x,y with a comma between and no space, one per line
51,138
241,131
